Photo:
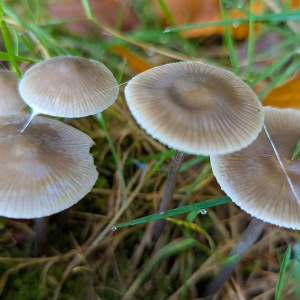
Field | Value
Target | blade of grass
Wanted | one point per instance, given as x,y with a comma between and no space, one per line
115,156
121,68
187,274
170,249
192,162
190,227
27,44
284,264
250,51
296,268
273,17
87,9
163,157
9,47
5,56
166,12
40,33
296,151
281,77
269,72
176,211
230,41
29,10
1,10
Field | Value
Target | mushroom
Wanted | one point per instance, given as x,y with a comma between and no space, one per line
44,170
10,100
195,108
68,86
262,178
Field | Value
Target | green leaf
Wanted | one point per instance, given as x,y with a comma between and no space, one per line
230,41
87,9
5,56
251,42
296,151
166,12
176,211
295,269
284,264
1,10
9,48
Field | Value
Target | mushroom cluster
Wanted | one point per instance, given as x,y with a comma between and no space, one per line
195,108
46,164
201,109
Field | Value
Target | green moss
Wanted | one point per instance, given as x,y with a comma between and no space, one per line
24,284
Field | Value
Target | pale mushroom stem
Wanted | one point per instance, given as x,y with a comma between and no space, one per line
247,240
168,192
41,228
32,116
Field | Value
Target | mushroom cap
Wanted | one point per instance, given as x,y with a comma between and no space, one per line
10,100
69,86
253,177
195,107
45,170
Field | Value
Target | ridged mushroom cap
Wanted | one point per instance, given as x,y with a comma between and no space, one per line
45,170
10,100
253,177
69,86
195,107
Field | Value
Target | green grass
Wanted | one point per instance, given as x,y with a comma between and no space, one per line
284,265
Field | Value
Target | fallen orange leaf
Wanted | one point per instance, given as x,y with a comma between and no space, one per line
134,61
202,11
286,95
294,4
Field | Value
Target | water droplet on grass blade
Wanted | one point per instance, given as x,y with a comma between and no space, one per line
203,211
162,213
114,228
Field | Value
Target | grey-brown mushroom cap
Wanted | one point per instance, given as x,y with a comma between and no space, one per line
10,100
253,177
45,170
69,86
195,107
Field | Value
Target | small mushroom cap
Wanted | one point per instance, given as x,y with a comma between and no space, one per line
69,86
195,107
253,177
10,100
45,170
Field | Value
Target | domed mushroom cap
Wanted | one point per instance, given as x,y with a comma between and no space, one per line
10,100
253,177
69,86
195,108
45,170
